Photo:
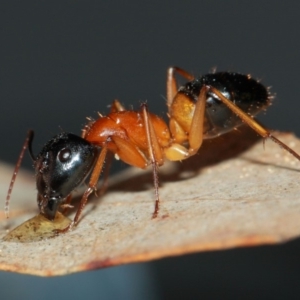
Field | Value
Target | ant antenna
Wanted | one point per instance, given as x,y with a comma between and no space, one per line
27,144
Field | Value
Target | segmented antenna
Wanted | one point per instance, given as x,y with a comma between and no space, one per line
26,144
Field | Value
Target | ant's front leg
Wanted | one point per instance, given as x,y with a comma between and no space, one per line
115,107
91,188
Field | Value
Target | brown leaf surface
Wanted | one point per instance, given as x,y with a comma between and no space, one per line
231,194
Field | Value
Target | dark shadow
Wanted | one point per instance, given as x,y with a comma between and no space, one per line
257,162
212,152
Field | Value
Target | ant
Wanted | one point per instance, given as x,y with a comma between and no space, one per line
203,108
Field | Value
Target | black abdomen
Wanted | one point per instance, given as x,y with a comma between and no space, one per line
247,93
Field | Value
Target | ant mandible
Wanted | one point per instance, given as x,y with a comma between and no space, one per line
203,108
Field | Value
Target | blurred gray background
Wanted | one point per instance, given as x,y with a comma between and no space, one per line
61,61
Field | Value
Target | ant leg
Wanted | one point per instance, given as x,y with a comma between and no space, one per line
129,153
115,107
91,188
92,183
104,185
172,88
252,122
196,130
155,154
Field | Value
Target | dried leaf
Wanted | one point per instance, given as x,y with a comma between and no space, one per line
223,197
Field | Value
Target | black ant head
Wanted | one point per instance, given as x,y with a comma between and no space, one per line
62,165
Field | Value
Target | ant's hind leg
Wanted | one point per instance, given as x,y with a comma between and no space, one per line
252,122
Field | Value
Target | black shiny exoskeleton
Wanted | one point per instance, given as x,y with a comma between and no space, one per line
62,165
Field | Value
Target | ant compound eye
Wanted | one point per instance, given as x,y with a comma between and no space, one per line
64,155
